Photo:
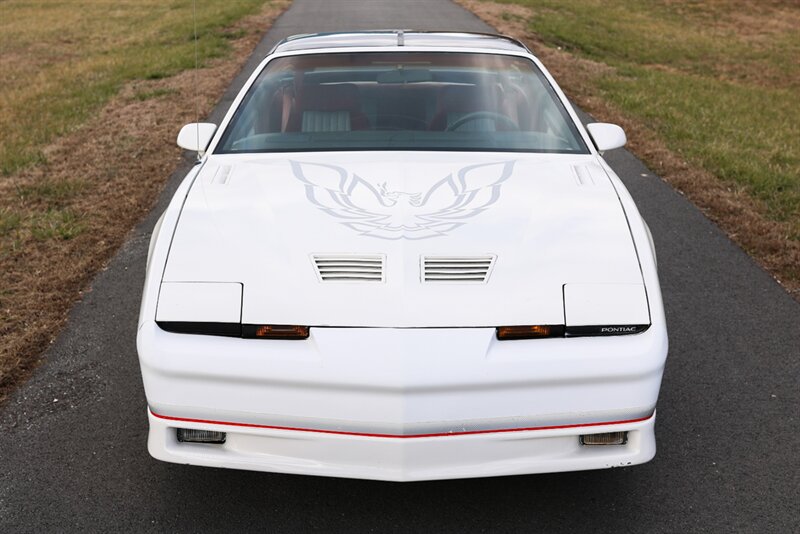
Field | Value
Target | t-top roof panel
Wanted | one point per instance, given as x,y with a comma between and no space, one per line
394,38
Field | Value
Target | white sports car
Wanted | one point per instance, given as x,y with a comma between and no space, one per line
401,256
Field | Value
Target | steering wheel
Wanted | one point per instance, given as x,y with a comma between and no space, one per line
479,115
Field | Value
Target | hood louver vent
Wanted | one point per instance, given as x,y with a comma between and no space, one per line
348,268
474,269
222,176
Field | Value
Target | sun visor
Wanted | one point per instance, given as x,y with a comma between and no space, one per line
605,304
217,302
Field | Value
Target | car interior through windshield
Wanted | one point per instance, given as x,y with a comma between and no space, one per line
401,101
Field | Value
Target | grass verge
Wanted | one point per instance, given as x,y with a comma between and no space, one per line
707,92
64,59
110,87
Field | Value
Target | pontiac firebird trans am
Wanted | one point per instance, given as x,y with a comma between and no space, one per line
401,256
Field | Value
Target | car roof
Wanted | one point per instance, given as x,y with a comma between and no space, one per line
395,38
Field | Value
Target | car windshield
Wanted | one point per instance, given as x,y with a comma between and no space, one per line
401,101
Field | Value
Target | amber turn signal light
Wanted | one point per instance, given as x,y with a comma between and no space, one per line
275,331
530,331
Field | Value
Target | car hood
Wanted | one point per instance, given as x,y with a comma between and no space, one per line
344,239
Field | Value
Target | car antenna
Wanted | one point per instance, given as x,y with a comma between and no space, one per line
194,80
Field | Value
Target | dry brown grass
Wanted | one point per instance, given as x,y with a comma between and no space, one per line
108,174
739,214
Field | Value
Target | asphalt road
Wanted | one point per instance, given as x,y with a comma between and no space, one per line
72,440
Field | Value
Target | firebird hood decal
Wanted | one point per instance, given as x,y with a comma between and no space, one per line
374,210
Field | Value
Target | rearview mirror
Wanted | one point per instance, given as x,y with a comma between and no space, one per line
196,136
606,136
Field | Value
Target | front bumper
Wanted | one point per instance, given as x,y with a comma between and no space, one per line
403,459
402,404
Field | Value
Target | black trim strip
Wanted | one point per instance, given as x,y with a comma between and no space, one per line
248,330
204,328
606,330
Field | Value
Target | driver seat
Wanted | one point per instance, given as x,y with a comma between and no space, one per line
457,101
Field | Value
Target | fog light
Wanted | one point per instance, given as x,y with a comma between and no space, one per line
607,438
190,435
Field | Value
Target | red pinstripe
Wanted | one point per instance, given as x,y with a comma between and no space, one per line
372,435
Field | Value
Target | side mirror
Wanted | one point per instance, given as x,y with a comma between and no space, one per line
196,136
606,136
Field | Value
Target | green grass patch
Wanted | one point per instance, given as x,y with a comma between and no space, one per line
511,17
717,81
63,60
232,35
57,224
51,192
9,221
